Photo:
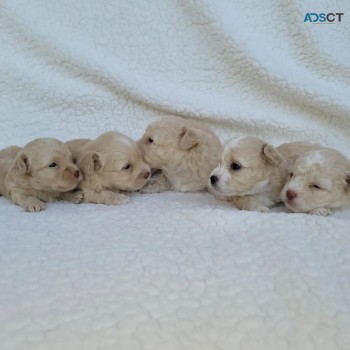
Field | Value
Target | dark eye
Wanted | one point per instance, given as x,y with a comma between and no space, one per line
291,174
316,187
150,140
53,165
235,166
126,166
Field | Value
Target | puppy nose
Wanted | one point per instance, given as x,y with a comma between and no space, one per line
291,194
146,174
76,173
213,179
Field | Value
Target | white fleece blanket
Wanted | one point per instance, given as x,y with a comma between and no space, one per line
173,271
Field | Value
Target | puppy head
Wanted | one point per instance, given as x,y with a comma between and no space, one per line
47,165
318,179
168,140
246,168
113,161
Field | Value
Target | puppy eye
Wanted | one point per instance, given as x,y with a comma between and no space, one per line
235,166
291,174
53,165
150,140
126,166
316,187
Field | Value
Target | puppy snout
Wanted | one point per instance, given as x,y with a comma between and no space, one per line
146,174
213,179
291,194
76,173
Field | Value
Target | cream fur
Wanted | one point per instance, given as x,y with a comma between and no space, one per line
185,152
110,163
256,185
319,180
29,181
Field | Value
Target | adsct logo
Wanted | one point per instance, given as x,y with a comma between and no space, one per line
323,18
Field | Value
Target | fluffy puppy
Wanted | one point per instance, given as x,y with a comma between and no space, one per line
42,171
249,171
319,182
183,150
110,163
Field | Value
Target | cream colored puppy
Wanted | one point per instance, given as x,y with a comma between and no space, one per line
319,182
249,171
183,150
110,163
42,171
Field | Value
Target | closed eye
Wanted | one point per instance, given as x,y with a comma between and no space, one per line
316,187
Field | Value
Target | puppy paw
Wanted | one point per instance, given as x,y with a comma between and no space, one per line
223,198
76,197
116,199
34,205
320,211
151,188
262,209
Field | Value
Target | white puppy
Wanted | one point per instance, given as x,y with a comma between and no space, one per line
111,163
319,182
249,171
40,172
185,151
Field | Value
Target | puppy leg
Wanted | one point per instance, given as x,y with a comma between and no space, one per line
320,211
76,197
29,203
156,184
104,197
250,203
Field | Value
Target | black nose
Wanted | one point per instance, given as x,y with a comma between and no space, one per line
76,173
213,179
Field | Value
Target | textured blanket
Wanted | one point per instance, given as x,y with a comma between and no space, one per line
174,271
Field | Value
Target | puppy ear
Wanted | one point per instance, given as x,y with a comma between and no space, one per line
270,154
91,162
22,163
188,138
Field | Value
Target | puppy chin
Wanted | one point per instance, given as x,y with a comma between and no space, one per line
131,187
57,188
138,186
293,206
217,190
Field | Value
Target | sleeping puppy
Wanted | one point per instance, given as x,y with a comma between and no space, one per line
250,172
110,163
42,171
319,182
184,151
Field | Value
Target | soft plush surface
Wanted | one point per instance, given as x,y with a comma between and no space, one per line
173,271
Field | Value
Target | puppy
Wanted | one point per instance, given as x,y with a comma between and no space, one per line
184,151
110,163
42,171
319,182
249,171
